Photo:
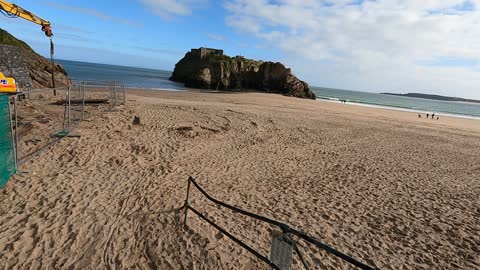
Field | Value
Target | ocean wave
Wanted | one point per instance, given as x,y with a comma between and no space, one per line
406,109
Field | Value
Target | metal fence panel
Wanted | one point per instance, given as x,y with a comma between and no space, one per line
76,104
281,252
40,115
117,94
43,116
7,150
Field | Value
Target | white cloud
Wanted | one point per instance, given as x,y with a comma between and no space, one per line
215,37
92,12
375,45
168,9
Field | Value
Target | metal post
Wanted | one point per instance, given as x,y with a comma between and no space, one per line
53,67
15,111
69,107
124,95
115,93
110,84
82,89
187,204
302,259
65,112
13,139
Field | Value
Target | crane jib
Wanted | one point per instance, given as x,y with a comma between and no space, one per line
13,11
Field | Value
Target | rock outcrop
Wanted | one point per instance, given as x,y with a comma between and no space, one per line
18,59
210,69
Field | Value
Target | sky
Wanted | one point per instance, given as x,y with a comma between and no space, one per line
428,46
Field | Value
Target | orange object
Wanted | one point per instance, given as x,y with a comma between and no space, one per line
48,30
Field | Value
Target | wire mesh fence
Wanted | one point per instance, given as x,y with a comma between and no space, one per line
7,151
44,116
117,94
111,91
38,117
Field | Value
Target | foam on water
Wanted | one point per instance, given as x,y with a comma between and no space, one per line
418,105
413,110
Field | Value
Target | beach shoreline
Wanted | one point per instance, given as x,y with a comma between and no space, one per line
402,109
395,113
327,99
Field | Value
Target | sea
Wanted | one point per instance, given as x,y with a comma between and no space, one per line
135,77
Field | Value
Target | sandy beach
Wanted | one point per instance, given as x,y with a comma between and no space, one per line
388,188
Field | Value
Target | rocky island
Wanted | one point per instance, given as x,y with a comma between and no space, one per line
207,68
30,70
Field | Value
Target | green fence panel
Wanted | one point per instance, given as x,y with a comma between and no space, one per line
7,151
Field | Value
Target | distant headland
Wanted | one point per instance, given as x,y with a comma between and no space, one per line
435,97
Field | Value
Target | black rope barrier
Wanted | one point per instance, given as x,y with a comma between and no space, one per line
300,255
236,240
235,209
284,227
330,250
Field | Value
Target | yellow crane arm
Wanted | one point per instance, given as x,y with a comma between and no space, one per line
15,11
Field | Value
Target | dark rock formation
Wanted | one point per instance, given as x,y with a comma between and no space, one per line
210,69
17,58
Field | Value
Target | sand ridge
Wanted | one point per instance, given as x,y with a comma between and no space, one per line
392,191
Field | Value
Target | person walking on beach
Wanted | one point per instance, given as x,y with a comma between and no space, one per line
433,115
419,116
428,115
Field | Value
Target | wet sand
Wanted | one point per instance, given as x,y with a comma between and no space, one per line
393,190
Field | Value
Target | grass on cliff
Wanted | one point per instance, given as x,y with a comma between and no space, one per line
226,58
7,39
215,58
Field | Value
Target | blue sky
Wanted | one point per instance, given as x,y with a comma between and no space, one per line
430,46
128,32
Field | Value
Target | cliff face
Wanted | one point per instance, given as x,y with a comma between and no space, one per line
211,69
18,59
14,64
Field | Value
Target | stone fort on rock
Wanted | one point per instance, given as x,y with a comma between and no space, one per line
203,52
208,68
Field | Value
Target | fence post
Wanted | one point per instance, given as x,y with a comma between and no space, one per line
124,95
302,259
115,92
65,112
11,130
187,204
15,145
69,107
110,91
82,89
